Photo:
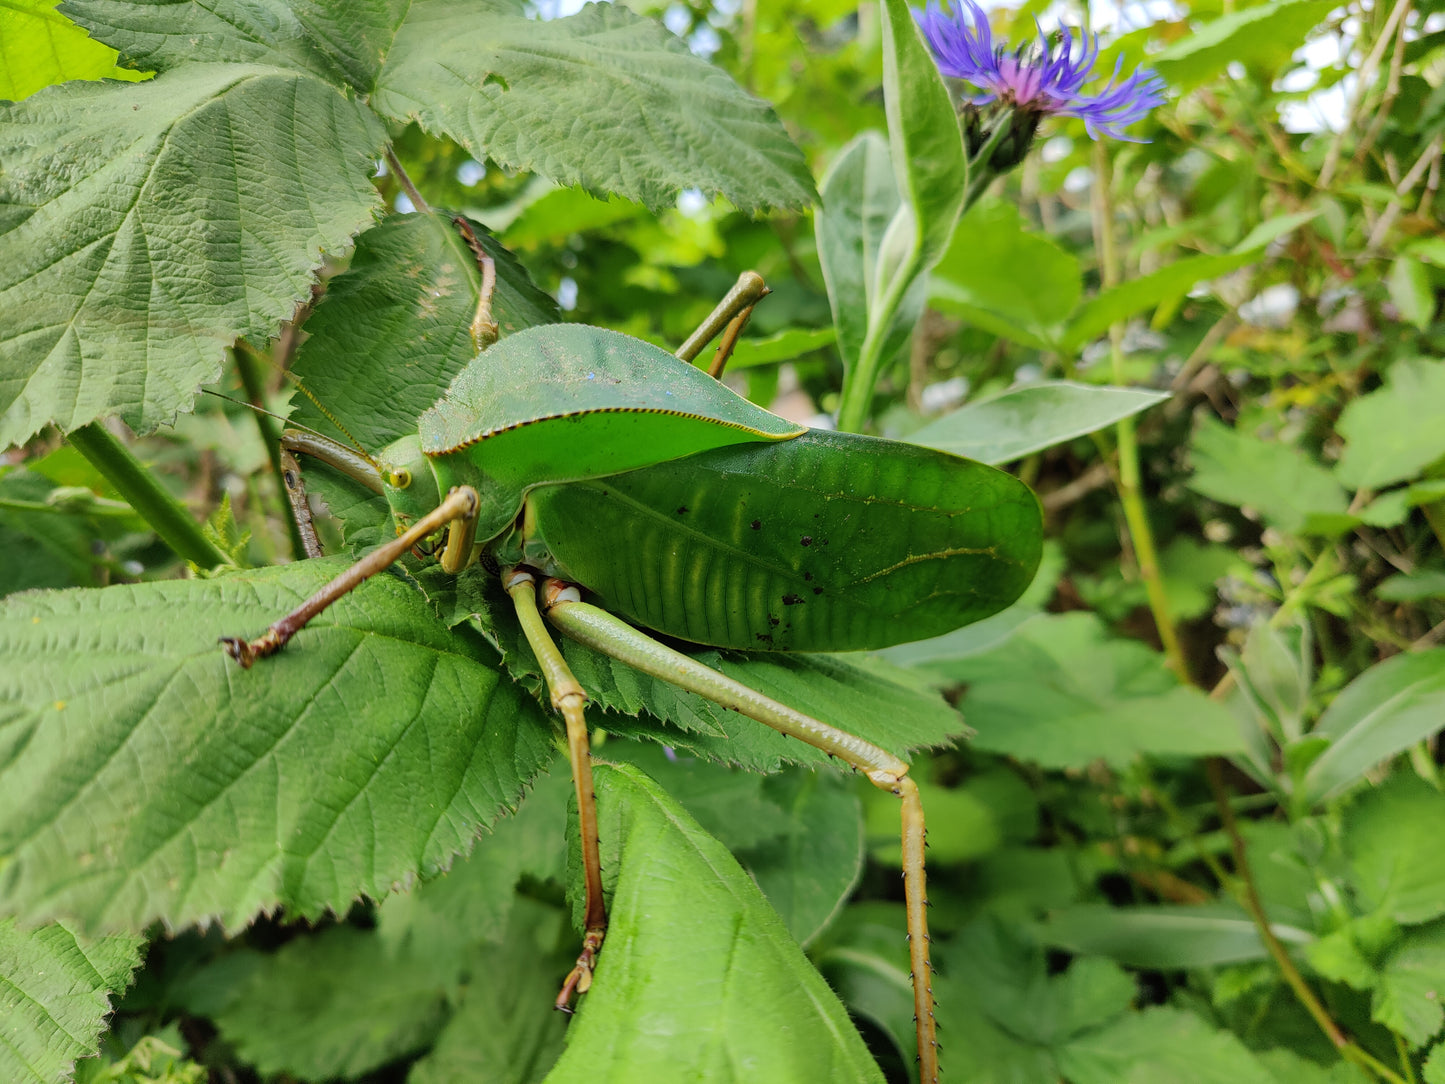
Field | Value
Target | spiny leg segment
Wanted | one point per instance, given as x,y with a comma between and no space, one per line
460,504
601,631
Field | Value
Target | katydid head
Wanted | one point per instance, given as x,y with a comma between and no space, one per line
407,481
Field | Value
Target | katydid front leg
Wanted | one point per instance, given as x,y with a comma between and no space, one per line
457,510
601,631
568,698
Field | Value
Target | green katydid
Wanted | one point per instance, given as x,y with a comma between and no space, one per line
558,444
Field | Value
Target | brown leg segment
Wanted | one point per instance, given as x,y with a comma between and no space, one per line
603,632
568,698
460,503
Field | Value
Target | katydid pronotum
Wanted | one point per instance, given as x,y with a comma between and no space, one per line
569,457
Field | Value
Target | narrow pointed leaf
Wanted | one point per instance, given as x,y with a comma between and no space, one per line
55,995
144,227
698,979
144,776
1029,419
605,99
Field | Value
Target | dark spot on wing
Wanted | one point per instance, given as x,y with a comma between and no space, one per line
682,511
806,540
792,600
817,590
756,524
765,637
774,621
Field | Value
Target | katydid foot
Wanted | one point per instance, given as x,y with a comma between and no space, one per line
579,979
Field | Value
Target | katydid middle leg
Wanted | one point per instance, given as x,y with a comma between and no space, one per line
601,631
568,697
457,509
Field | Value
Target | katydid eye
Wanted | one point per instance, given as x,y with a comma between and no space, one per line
399,479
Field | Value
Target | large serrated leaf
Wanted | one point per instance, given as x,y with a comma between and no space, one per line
343,43
698,980
144,776
55,990
604,99
144,227
40,47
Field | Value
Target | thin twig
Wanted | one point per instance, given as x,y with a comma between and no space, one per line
1392,91
1362,80
393,163
1427,159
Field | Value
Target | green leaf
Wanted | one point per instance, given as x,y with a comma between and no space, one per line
1265,35
554,217
1390,434
604,99
866,961
392,332
505,1030
784,346
924,139
859,199
337,1004
144,776
1412,983
136,242
342,43
1413,586
1161,1043
1172,281
995,263
55,992
1008,1018
694,952
1028,419
808,869
1388,708
1279,481
1411,291
1061,694
44,545
39,47
1392,837
1162,937
1435,1066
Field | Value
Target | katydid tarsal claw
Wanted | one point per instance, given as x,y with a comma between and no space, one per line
576,458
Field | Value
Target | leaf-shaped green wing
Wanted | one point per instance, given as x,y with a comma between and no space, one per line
144,227
699,979
144,776
604,99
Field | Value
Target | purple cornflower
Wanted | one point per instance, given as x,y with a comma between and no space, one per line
1036,79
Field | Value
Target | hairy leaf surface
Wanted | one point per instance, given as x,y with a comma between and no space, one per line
604,99
145,776
714,1010
144,227
55,991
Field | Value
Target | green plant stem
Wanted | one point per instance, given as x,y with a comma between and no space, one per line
249,368
166,516
393,163
1249,897
861,379
1136,519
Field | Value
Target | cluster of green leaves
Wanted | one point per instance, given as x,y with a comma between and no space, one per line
310,843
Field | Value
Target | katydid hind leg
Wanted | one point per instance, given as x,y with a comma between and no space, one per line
601,631
568,698
460,504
